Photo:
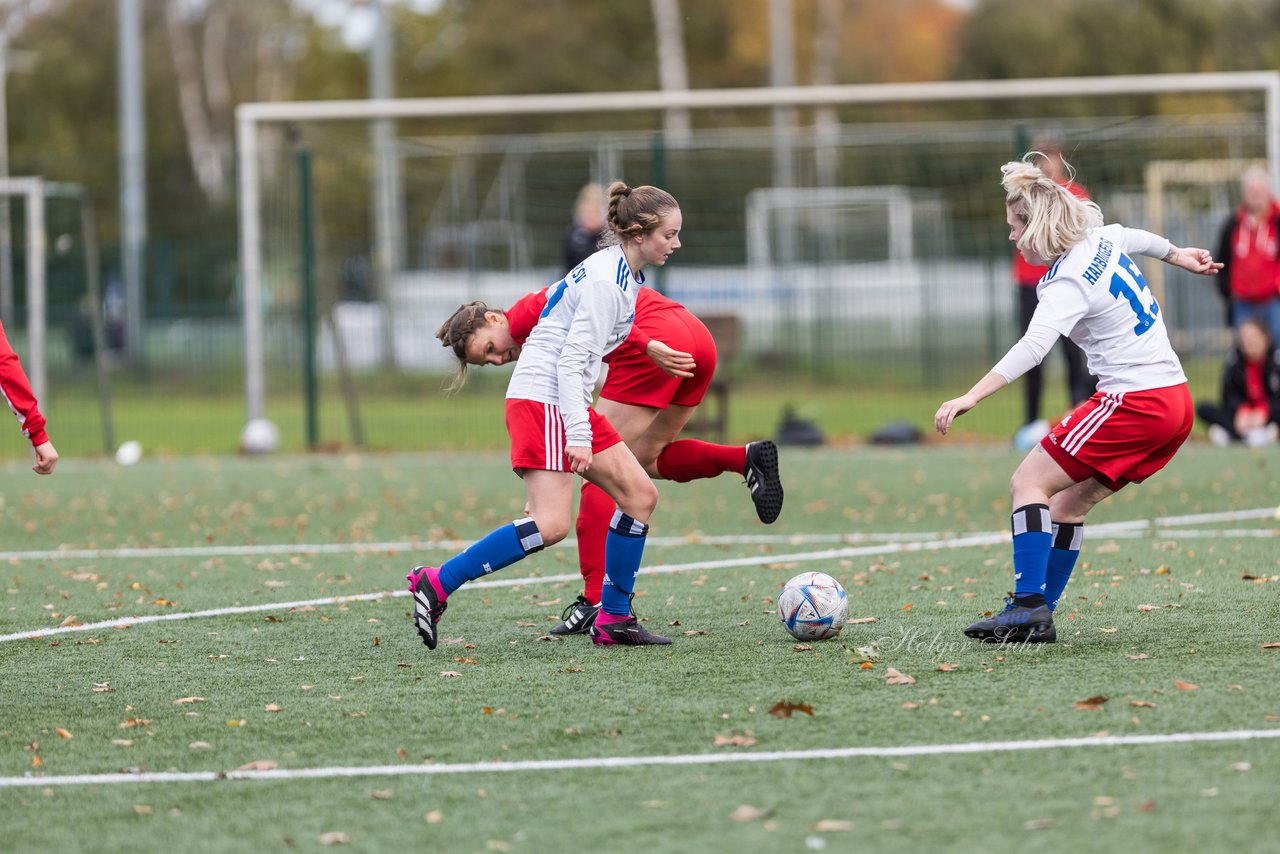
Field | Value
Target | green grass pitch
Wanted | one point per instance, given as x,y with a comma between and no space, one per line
502,740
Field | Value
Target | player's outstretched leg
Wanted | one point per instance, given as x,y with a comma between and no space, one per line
761,472
429,602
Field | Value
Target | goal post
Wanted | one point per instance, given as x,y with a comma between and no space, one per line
253,118
32,190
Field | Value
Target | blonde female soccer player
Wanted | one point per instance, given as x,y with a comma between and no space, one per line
1141,414
555,433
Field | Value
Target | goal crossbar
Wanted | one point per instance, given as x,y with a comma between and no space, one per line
249,117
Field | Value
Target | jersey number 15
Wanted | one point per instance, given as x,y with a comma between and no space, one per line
1123,282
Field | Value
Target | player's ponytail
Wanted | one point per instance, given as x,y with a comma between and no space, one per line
1055,218
457,331
634,211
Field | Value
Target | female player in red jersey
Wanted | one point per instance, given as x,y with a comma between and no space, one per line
555,433
649,394
22,403
1127,431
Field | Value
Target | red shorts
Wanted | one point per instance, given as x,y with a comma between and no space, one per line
634,379
1122,437
537,435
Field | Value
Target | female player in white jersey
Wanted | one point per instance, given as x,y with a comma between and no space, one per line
649,395
1139,417
555,433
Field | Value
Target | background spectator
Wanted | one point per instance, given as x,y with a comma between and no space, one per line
583,238
1247,245
1250,407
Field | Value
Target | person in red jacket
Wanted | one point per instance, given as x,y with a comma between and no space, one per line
1250,408
17,393
649,394
1249,246
1080,383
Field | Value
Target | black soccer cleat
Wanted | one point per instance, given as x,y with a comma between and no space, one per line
1016,624
428,607
578,618
626,632
761,472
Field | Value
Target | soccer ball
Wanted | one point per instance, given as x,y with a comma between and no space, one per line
813,606
260,436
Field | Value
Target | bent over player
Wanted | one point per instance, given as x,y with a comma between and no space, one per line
649,394
555,433
1127,431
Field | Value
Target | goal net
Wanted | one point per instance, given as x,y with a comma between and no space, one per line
883,259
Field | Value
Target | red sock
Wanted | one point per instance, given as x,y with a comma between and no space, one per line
690,459
595,511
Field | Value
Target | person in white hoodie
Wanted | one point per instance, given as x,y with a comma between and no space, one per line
555,433
1127,431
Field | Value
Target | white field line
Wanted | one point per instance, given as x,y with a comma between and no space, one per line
448,545
983,747
1134,528
718,540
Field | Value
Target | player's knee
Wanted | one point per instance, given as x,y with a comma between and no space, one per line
641,501
554,532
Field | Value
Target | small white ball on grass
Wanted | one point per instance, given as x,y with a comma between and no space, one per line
129,453
260,436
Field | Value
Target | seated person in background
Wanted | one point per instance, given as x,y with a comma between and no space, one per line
1250,408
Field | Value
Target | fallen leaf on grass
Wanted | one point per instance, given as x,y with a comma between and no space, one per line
73,620
746,812
273,707
692,632
734,741
1146,806
1038,824
1271,646
549,638
833,825
200,745
259,765
334,838
381,794
860,621
183,700
143,809
134,722
1092,704
548,603
802,647
1142,656
894,677
1186,686
1142,704
102,687
1109,631
785,708
525,624
434,817
63,733
450,674
122,742
866,665
944,667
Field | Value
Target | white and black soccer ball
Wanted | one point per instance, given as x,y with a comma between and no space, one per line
813,606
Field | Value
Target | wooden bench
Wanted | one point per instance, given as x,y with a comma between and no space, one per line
712,417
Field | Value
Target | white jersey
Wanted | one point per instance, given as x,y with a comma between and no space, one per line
1096,296
588,314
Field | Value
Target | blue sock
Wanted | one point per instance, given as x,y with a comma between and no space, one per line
1032,540
501,547
1067,539
623,549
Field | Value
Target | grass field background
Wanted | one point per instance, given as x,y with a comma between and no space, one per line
1168,623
